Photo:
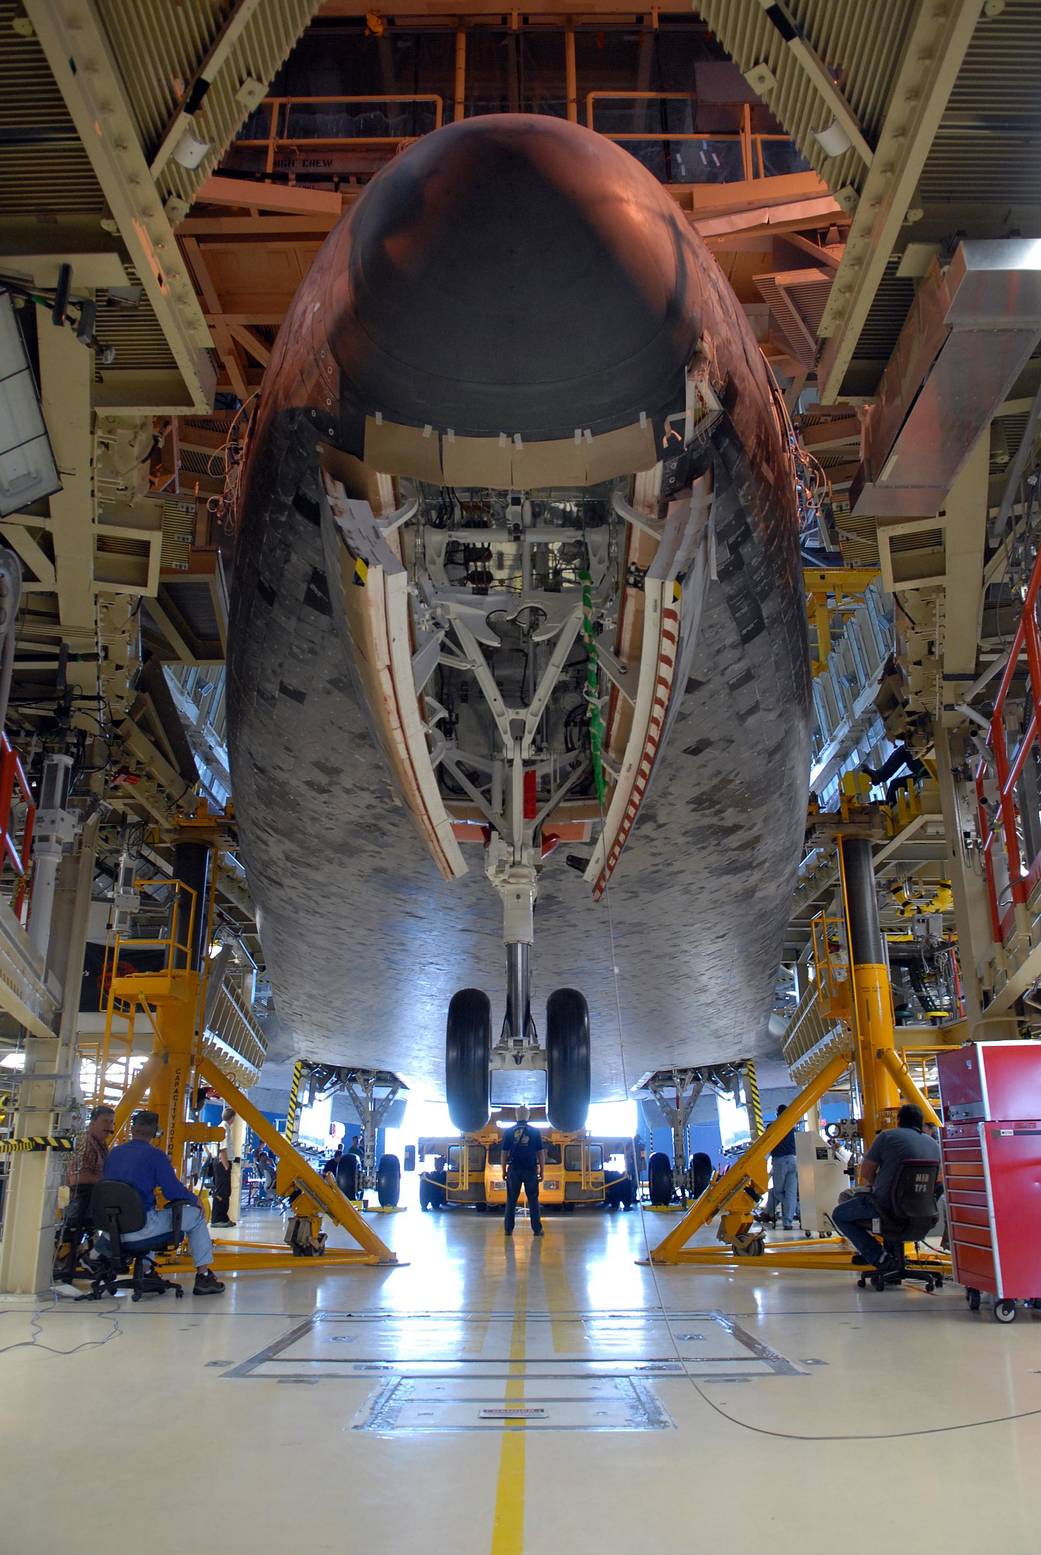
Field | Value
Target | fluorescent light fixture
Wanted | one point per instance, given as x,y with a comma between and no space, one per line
27,468
190,150
13,1061
833,140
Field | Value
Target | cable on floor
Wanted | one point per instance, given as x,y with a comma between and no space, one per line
36,1328
745,1425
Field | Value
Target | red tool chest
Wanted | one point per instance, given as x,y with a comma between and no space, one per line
992,1169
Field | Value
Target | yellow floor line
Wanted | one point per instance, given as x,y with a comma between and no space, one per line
508,1524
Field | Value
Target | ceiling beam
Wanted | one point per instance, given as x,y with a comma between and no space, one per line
20,540
257,194
82,64
935,49
235,23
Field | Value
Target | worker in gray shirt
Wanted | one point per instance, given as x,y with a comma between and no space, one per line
878,1173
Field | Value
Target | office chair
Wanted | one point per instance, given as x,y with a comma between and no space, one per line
117,1213
910,1215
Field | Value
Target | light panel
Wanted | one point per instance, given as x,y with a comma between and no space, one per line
27,468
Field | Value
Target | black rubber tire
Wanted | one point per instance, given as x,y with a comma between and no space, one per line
388,1181
660,1184
1005,1311
973,1298
632,1166
700,1173
347,1173
431,1194
468,1051
347,1169
568,1065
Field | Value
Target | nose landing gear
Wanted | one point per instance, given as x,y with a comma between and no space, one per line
469,1058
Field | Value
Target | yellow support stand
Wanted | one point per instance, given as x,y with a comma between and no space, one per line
853,987
171,1001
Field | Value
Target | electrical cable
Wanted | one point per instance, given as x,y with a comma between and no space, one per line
36,1328
758,1430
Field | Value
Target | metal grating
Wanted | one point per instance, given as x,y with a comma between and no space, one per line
44,170
885,320
135,332
178,528
158,47
988,144
862,42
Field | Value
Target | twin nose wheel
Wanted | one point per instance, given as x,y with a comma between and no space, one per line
468,1051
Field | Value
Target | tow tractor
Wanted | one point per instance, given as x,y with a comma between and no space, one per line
468,1170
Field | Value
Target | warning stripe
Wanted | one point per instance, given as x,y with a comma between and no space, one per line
293,1109
38,1142
754,1103
655,728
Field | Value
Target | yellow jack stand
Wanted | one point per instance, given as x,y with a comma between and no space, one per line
859,993
171,1001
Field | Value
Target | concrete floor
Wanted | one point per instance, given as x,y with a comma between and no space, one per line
355,1411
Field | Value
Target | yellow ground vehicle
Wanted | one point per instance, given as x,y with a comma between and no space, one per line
468,1170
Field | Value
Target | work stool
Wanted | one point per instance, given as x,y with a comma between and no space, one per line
117,1213
911,1213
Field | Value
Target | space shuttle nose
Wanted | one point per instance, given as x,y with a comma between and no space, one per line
518,275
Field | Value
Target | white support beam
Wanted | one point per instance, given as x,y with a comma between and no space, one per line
81,62
933,55
20,540
66,372
965,532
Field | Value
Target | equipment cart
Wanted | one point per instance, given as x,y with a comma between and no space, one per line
991,1095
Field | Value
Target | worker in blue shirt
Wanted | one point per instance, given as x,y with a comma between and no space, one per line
523,1155
146,1168
785,1172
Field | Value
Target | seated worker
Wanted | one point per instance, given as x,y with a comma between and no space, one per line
145,1168
85,1169
523,1157
878,1172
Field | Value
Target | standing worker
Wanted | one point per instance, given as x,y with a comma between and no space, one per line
85,1170
221,1215
785,1170
523,1157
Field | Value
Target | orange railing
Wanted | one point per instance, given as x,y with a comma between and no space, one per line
282,136
752,159
1012,863
15,848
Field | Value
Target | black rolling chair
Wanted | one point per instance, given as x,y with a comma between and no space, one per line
117,1213
910,1214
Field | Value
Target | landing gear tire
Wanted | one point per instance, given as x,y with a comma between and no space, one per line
700,1173
347,1169
388,1181
568,1072
660,1183
431,1194
468,1050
